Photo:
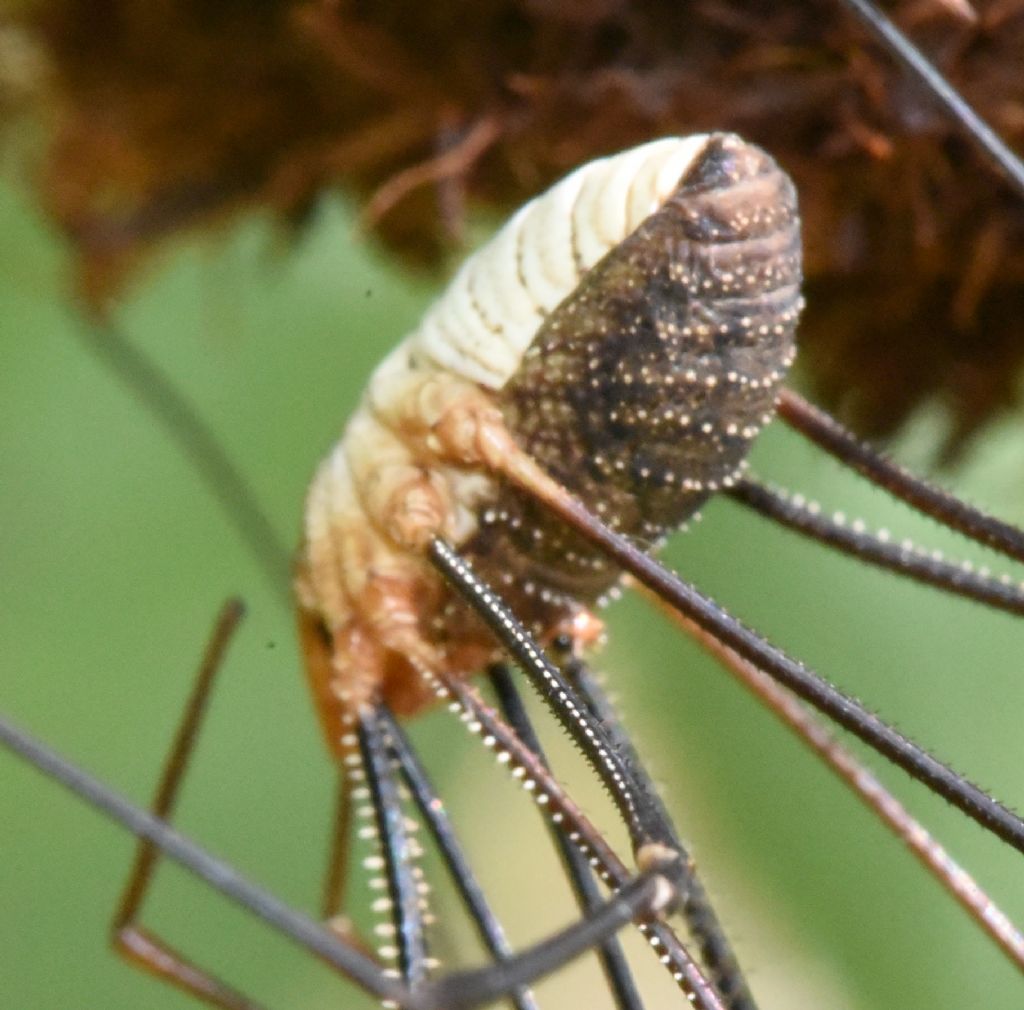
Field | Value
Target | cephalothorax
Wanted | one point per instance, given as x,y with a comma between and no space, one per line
627,331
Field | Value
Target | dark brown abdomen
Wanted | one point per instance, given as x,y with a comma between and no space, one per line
642,391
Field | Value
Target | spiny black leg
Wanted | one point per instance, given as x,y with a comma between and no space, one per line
846,711
642,817
974,127
433,813
791,512
525,766
398,850
535,778
613,961
869,789
826,432
716,950
633,792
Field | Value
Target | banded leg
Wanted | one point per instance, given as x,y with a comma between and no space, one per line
613,961
433,813
641,815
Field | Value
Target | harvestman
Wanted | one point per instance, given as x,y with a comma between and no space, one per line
431,489
626,334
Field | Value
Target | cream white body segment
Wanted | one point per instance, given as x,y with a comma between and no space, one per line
488,316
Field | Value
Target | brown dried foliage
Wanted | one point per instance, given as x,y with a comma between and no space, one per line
167,115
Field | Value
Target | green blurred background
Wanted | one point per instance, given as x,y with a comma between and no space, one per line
114,559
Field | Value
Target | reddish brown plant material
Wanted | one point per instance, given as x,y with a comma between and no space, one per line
173,115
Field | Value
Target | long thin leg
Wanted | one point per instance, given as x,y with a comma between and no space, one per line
433,813
399,852
405,897
639,896
826,432
462,990
700,915
633,792
613,961
984,137
134,942
335,878
857,777
199,445
302,930
535,778
793,513
473,988
334,889
642,816
846,711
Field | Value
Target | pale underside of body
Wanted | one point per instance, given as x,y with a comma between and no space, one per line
627,331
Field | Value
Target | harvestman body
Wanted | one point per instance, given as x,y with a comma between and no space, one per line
627,331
